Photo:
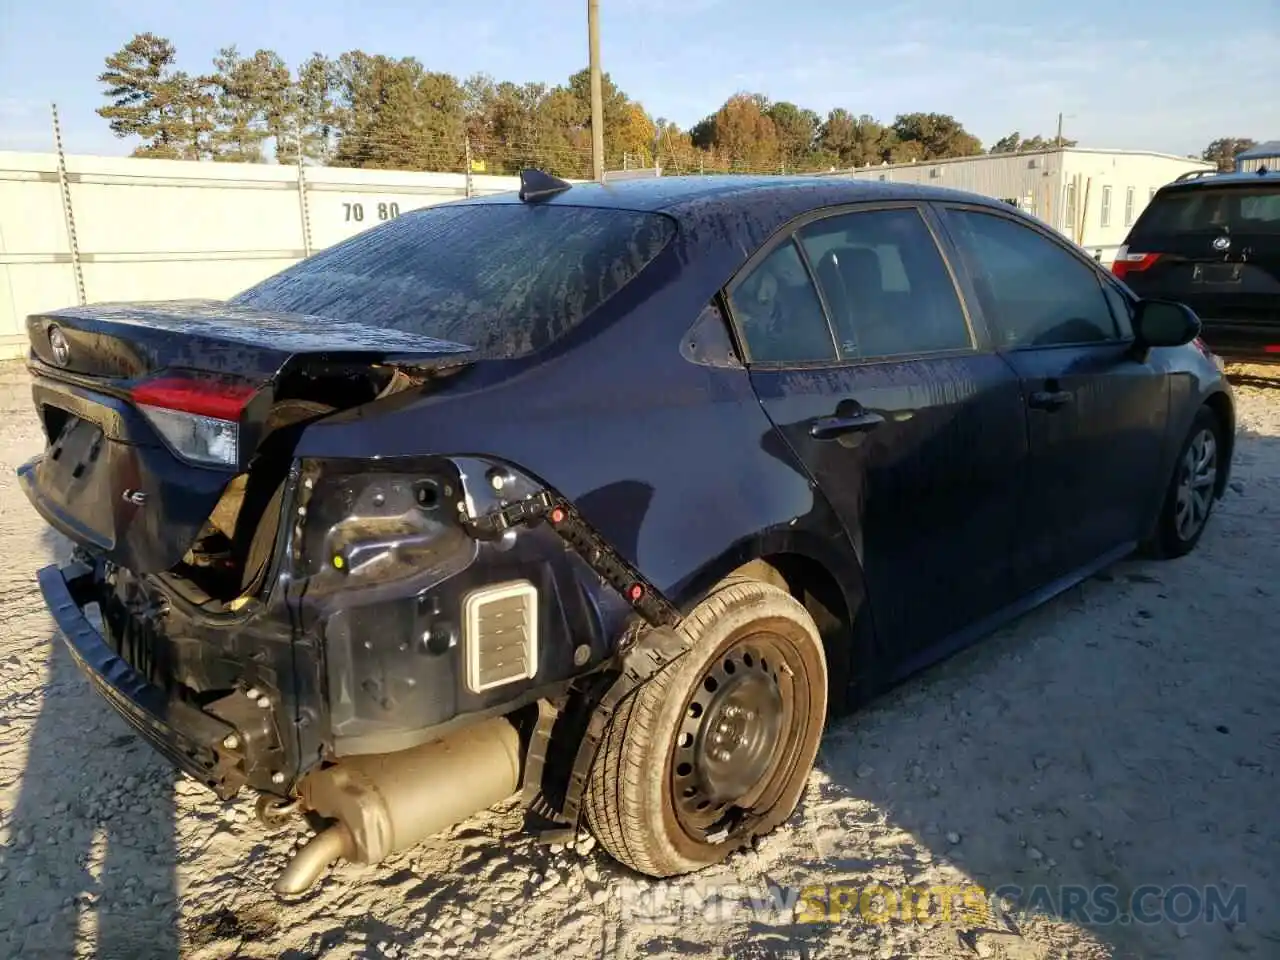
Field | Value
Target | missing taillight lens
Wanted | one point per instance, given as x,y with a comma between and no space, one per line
198,418
193,437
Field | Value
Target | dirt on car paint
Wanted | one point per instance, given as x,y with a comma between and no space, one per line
1123,738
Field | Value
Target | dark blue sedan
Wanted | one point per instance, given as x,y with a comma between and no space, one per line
610,495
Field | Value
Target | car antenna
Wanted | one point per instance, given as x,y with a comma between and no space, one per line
536,185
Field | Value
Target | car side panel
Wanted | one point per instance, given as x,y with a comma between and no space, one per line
930,495
672,461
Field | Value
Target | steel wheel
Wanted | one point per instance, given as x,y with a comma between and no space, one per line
731,743
1197,478
715,750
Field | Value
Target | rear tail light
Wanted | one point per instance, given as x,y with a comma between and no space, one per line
1126,263
199,418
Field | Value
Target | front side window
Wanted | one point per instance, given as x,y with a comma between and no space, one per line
505,279
778,311
886,285
1035,291
1121,307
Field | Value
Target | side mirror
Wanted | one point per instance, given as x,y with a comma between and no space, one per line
1164,323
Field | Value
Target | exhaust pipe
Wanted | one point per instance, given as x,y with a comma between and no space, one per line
387,802
313,859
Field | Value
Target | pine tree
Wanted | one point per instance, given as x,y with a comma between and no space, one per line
167,110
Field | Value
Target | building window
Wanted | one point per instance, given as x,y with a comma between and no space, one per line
1106,206
1128,206
1069,208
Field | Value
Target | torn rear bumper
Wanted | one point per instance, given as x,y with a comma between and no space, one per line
188,737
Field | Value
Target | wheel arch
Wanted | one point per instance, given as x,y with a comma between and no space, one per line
827,581
1225,411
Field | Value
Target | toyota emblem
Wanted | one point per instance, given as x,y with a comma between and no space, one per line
58,344
1221,243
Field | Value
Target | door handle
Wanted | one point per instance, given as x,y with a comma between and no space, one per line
1051,399
831,428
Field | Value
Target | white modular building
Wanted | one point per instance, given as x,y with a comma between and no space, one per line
1264,155
1091,196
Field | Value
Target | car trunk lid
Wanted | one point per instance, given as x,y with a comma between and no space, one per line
151,410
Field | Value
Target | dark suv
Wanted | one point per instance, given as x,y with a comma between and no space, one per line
1212,241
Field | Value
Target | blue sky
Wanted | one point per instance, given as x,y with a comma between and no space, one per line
1166,75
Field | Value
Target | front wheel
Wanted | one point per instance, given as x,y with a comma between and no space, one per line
715,750
1192,488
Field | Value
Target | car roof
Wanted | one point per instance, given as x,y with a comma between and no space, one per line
696,196
1233,178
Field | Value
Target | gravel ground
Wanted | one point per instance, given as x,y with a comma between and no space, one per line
1126,734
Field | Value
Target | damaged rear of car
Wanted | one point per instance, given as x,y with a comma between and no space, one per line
361,632
591,494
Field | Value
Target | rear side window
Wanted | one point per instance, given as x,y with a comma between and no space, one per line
779,313
1203,210
886,285
505,279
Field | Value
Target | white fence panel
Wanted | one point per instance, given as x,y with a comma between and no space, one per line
162,229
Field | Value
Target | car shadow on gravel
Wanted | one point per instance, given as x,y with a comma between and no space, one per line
1254,375
89,866
1120,740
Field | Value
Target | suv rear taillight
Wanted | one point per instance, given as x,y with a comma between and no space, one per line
198,417
1127,262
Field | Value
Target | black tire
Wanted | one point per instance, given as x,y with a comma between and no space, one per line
678,733
1173,538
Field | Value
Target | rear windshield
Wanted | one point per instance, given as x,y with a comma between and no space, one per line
1246,210
505,279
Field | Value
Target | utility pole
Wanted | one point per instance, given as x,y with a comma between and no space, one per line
1058,141
467,159
597,92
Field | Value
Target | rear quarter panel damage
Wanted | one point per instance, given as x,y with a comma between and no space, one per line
672,462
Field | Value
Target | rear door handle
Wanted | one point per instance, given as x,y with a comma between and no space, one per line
830,428
1051,399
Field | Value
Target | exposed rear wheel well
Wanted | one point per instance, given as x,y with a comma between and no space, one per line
819,591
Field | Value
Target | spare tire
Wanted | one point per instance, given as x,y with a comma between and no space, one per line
715,750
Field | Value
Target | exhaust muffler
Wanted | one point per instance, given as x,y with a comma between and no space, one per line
387,802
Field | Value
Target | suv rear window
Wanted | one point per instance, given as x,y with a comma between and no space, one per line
507,279
1243,210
